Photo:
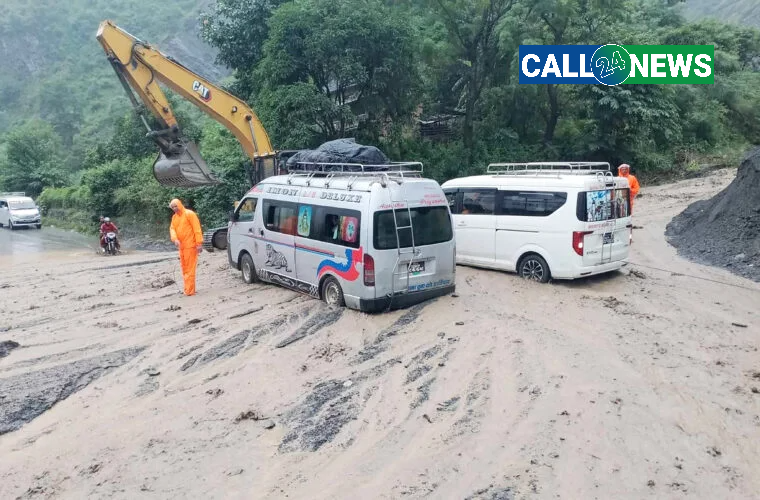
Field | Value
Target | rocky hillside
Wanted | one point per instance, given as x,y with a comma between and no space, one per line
736,11
53,67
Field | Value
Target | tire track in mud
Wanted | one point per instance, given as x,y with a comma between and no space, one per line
379,345
331,405
327,409
61,356
314,318
26,396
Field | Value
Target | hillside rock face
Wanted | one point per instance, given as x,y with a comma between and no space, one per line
745,12
724,230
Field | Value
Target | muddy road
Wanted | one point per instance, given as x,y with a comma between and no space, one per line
643,383
24,241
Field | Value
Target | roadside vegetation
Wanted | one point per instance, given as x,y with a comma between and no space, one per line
434,81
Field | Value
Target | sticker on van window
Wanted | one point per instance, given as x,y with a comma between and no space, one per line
598,206
304,221
620,203
348,228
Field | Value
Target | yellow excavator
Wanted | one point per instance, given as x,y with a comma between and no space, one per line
140,67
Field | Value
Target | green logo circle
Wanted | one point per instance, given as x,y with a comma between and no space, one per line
611,64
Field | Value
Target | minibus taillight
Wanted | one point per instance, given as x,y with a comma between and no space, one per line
578,241
369,270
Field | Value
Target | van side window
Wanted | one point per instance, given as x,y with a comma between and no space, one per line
451,197
478,201
331,225
246,210
280,216
531,203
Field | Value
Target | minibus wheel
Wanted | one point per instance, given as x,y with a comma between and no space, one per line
247,269
534,267
332,293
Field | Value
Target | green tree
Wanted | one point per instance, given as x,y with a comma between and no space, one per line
239,30
32,159
474,53
341,59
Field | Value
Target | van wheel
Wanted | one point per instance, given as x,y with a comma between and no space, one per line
534,267
247,269
332,294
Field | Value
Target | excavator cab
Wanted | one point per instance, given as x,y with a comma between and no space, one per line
182,166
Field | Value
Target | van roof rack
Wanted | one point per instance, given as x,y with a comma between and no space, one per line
355,171
403,167
549,167
13,193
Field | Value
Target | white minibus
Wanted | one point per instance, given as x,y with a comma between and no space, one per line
370,237
543,220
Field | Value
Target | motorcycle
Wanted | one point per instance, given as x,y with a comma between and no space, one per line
110,241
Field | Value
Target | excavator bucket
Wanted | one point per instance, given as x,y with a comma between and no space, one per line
184,168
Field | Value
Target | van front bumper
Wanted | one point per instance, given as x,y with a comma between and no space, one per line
26,222
402,300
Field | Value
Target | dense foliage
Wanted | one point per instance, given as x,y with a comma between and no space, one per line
428,80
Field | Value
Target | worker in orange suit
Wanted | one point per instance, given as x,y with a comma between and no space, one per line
624,170
185,232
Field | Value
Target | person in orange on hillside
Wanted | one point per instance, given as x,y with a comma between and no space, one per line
185,233
624,170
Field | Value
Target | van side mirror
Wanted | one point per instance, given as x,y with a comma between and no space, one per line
231,216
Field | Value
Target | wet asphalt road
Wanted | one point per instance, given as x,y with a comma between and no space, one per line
25,241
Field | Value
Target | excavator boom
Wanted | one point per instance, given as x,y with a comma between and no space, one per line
140,67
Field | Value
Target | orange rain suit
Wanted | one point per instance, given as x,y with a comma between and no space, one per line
186,228
633,182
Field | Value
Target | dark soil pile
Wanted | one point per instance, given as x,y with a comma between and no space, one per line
724,230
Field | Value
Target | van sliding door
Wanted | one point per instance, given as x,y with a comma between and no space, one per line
476,226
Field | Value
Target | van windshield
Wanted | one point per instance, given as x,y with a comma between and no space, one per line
431,225
606,204
21,204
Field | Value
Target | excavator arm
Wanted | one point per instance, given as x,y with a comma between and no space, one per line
140,68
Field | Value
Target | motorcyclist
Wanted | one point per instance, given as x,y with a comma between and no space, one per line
106,227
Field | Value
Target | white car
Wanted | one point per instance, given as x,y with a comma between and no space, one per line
19,210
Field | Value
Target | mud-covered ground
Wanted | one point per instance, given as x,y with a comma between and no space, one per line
640,384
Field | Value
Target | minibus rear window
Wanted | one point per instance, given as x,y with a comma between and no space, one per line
606,204
431,225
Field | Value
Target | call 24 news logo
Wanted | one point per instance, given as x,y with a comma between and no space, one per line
615,64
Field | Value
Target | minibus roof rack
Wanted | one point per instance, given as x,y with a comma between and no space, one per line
354,171
398,168
13,193
549,167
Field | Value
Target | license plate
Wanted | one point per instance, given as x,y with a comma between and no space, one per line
416,267
608,238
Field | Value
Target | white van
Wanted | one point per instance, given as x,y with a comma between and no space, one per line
371,237
561,220
19,210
